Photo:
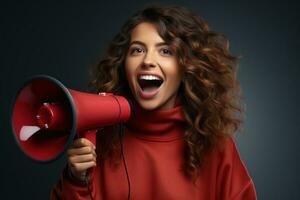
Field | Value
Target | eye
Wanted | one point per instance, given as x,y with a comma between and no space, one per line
136,50
166,52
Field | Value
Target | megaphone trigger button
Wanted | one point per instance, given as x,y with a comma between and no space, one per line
105,94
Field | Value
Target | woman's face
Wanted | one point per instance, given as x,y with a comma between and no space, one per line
152,69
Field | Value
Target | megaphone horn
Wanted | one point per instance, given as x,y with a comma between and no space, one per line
46,116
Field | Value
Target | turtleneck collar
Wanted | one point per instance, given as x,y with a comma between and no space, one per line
157,125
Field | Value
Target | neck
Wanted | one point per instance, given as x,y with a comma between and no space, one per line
159,124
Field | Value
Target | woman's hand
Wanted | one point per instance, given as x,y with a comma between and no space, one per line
81,157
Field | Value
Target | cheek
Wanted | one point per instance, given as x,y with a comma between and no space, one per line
131,65
130,73
174,72
127,68
175,82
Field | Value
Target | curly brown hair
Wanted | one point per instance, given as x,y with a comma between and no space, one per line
210,92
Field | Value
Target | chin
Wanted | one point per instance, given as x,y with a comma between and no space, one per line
147,105
155,104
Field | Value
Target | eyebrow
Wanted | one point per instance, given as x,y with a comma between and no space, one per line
143,44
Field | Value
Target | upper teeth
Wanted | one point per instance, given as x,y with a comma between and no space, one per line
149,77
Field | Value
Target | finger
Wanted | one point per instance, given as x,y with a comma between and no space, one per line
82,142
82,158
81,167
81,151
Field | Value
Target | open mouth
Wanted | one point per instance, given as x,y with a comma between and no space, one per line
149,83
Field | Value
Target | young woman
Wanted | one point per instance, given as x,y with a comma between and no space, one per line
178,142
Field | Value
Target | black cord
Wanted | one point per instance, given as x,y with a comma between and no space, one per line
87,182
121,134
87,177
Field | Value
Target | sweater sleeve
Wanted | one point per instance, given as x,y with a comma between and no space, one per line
68,188
235,182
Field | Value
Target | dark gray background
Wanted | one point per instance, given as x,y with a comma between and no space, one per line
64,39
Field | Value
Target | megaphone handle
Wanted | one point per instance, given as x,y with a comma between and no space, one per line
90,135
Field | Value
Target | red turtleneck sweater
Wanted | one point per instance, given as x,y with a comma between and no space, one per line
153,149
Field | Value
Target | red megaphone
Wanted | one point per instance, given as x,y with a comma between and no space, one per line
46,116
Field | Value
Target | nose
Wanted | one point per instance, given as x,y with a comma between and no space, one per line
149,60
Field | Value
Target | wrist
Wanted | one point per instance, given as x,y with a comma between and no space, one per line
75,175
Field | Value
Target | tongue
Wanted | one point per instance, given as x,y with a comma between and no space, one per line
149,89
